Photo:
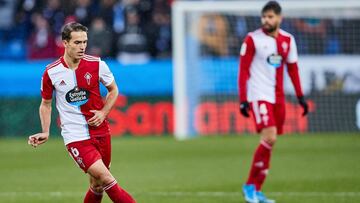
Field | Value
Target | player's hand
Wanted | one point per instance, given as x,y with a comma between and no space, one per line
97,119
304,105
245,108
38,139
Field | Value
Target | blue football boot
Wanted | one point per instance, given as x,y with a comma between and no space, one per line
249,192
262,198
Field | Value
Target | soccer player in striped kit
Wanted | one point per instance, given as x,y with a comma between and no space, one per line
75,79
263,55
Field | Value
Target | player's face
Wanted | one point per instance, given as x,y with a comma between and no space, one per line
75,47
270,21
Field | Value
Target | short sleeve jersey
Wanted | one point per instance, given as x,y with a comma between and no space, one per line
77,92
265,57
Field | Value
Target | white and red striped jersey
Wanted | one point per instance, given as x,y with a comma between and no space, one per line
262,60
77,92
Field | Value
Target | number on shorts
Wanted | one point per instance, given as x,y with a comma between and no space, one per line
263,109
264,112
75,151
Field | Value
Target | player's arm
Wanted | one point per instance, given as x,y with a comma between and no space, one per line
247,53
44,112
293,71
106,78
100,115
45,115
112,95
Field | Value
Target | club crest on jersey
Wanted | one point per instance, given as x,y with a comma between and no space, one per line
87,76
274,60
77,96
285,46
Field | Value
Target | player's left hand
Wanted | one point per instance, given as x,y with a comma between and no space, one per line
304,105
97,119
245,108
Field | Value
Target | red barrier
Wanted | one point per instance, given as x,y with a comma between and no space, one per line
145,118
224,118
141,118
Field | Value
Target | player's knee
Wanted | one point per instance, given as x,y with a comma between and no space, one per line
269,135
106,178
270,139
102,178
97,188
96,185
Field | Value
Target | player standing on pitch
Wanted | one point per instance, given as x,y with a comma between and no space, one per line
75,78
263,55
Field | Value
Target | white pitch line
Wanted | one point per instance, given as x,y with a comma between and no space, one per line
188,194
42,194
221,194
316,194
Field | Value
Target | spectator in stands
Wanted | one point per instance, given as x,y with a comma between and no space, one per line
349,34
42,41
54,14
213,35
119,18
24,11
143,7
237,32
107,12
312,31
332,42
160,34
132,43
7,9
84,11
145,10
100,38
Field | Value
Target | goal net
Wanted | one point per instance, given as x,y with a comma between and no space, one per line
207,36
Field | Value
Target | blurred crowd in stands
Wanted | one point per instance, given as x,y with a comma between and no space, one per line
129,30
223,34
135,31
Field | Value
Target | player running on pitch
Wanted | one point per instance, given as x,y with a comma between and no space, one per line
263,55
75,78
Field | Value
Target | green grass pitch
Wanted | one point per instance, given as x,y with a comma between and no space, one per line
310,168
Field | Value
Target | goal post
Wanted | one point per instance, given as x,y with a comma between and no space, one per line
205,66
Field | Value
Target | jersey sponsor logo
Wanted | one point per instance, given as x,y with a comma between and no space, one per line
275,60
77,96
87,76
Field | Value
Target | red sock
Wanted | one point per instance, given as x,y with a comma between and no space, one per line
264,171
260,165
117,194
92,196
